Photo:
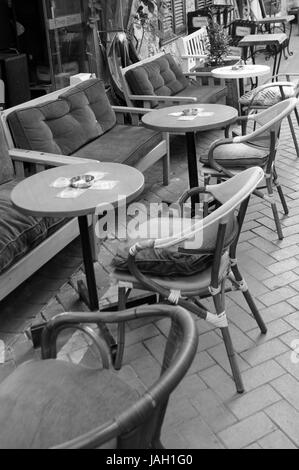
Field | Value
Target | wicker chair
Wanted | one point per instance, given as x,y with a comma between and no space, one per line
51,403
215,236
228,156
281,87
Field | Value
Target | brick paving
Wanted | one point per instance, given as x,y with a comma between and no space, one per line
204,411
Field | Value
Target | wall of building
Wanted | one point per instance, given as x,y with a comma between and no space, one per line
151,43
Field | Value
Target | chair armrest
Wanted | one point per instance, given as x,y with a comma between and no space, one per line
163,99
41,158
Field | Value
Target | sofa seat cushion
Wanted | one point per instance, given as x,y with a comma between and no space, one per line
169,262
19,233
122,144
267,97
47,403
6,166
204,94
64,125
161,76
239,156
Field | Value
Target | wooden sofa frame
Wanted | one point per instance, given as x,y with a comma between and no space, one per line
41,254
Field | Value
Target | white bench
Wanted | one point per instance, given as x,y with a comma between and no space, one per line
193,50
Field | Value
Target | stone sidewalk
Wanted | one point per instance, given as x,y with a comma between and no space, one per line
204,411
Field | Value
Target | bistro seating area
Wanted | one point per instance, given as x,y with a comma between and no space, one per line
149,251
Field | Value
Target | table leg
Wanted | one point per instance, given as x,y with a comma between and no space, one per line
90,295
92,300
192,165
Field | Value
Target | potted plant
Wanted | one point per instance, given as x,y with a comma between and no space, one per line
218,43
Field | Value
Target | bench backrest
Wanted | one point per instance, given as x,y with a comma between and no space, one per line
157,75
191,45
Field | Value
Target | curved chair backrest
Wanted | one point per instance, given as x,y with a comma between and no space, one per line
230,194
270,120
140,425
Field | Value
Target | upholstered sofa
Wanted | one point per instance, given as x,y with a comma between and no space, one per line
75,126
82,123
26,243
159,81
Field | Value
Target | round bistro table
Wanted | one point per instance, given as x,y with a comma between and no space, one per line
247,71
211,116
37,197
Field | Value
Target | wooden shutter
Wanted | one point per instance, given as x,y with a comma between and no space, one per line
179,16
174,22
167,23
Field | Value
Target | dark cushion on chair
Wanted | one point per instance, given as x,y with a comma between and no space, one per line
6,166
168,262
19,233
46,403
267,97
239,156
64,125
162,76
122,144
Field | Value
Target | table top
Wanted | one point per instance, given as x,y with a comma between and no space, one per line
263,39
276,19
36,195
210,116
250,70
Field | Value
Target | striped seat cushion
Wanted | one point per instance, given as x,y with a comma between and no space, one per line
267,97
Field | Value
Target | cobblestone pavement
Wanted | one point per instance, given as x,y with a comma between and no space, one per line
204,411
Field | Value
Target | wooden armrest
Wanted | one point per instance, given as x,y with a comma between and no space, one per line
194,56
128,109
170,99
41,158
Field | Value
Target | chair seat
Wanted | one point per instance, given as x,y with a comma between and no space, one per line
47,403
267,97
239,155
197,284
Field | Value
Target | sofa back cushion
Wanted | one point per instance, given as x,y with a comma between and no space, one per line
161,76
6,166
66,124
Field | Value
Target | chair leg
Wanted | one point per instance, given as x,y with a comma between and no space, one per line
220,307
121,329
274,207
280,193
293,135
249,299
297,115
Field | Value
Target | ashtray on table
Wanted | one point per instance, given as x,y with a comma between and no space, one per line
190,112
238,67
82,181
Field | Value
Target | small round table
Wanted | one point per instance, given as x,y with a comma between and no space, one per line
211,116
36,196
247,71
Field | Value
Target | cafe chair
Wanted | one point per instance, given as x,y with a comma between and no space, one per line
194,261
281,87
57,404
259,147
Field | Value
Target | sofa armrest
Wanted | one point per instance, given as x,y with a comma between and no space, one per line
135,114
170,100
41,160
